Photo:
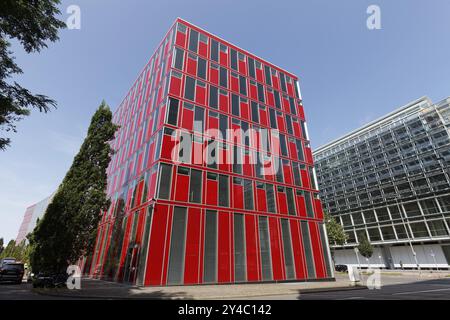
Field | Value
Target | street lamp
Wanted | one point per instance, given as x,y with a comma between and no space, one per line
407,234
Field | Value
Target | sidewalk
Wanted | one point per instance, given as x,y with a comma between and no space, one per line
98,289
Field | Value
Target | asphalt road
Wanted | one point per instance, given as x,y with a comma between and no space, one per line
9,291
438,289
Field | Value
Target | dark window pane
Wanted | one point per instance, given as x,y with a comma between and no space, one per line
261,93
177,241
214,50
223,124
233,56
277,99
223,77
189,92
292,105
213,96
309,206
173,112
248,194
165,174
308,250
193,41
273,119
266,261
199,118
201,68
268,76
271,207
289,124
237,162
300,154
255,112
224,193
195,186
287,249
210,254
283,145
240,267
290,201
242,85
235,104
179,58
251,67
283,82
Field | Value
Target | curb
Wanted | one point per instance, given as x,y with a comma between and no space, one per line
99,297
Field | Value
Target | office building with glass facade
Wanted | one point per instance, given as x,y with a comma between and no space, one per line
389,181
194,195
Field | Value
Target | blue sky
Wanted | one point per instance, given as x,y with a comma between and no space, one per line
349,75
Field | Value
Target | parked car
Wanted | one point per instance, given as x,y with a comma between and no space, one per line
48,280
7,260
341,268
12,271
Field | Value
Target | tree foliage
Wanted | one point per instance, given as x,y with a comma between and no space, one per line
335,231
31,23
1,245
68,228
365,248
19,251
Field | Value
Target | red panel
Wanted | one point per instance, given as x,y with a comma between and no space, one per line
317,250
180,39
187,120
223,103
245,110
213,123
301,206
203,49
247,167
297,248
251,248
261,200
238,196
259,75
263,117
319,210
305,179
224,248
297,132
214,75
308,155
192,255
242,66
270,98
167,248
200,95
225,159
301,112
286,106
212,192
191,67
277,259
234,84
282,203
223,58
292,150
253,92
175,86
181,192
156,246
280,122
275,82
167,147
287,173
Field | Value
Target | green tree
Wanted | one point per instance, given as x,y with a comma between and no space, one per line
19,251
31,23
365,248
335,232
68,228
1,245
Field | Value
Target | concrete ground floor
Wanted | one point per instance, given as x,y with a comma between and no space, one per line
397,256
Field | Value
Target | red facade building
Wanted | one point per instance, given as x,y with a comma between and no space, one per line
213,178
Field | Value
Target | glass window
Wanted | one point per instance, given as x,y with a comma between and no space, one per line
237,160
185,150
172,117
189,92
251,67
235,105
299,146
283,82
195,186
248,194
264,240
268,76
199,119
308,250
309,205
201,68
242,85
255,112
178,59
261,93
287,249
165,177
210,254
193,41
289,124
145,242
437,228
177,245
223,125
277,99
283,145
214,50
292,105
273,119
224,192
291,202
223,77
213,97
271,205
240,267
233,60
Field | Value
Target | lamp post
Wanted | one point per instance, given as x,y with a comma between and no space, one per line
407,234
